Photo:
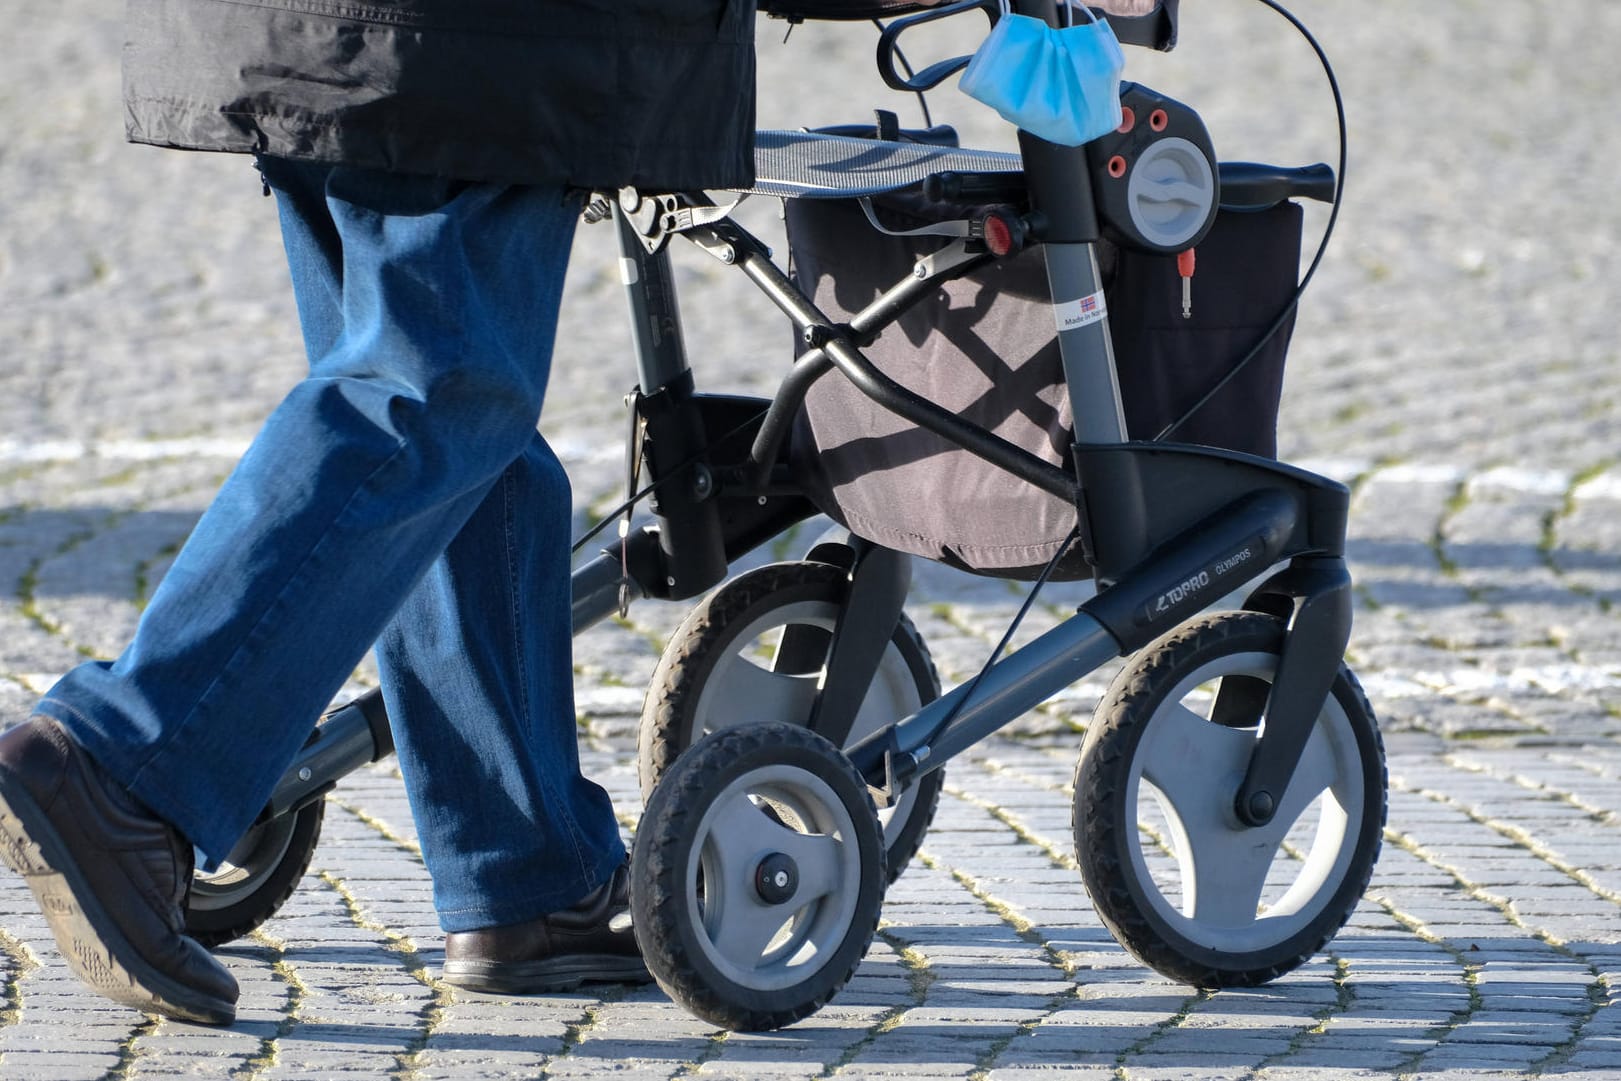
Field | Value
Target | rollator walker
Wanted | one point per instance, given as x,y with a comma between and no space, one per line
1229,797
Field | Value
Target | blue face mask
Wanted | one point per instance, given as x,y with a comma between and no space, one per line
1062,84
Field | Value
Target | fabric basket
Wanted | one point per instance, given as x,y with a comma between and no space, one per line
985,347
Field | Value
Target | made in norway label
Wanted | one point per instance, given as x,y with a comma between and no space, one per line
1073,314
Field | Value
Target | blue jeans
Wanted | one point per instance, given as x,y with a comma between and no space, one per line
400,495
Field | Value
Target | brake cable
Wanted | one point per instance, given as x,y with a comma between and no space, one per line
1322,247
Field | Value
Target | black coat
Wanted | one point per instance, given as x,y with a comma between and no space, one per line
596,93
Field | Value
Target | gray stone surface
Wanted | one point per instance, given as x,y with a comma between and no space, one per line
1456,362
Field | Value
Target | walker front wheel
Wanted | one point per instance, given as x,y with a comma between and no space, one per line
1179,880
757,876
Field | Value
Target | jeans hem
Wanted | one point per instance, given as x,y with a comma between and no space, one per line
533,906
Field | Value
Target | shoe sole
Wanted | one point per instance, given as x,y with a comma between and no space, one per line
541,977
95,949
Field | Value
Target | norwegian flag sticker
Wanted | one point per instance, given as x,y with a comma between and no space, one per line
1078,313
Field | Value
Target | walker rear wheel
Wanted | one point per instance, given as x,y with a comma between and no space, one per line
1179,880
757,876
256,879
754,650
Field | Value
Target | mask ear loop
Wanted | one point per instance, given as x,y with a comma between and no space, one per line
1069,7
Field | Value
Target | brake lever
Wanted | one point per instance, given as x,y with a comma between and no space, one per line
937,73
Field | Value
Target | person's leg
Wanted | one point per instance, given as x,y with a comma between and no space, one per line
476,673
529,873
355,485
475,665
349,493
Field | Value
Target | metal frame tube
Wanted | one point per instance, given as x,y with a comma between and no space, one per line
655,316
1008,689
753,261
1084,344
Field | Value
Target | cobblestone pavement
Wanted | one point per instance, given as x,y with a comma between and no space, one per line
1456,363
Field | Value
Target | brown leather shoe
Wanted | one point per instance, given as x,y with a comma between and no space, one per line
110,876
591,942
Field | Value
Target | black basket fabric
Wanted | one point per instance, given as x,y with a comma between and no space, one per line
985,347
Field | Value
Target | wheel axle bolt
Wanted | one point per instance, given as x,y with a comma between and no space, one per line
776,879
1261,806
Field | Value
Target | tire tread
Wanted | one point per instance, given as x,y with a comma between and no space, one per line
658,878
1101,777
684,667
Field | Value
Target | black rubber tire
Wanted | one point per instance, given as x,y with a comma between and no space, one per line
1106,824
259,876
670,722
674,876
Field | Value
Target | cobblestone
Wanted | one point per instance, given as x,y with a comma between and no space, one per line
1455,363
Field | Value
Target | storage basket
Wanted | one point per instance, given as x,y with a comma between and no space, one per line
985,348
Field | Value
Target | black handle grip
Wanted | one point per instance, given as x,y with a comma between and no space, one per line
937,73
949,187
1248,185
